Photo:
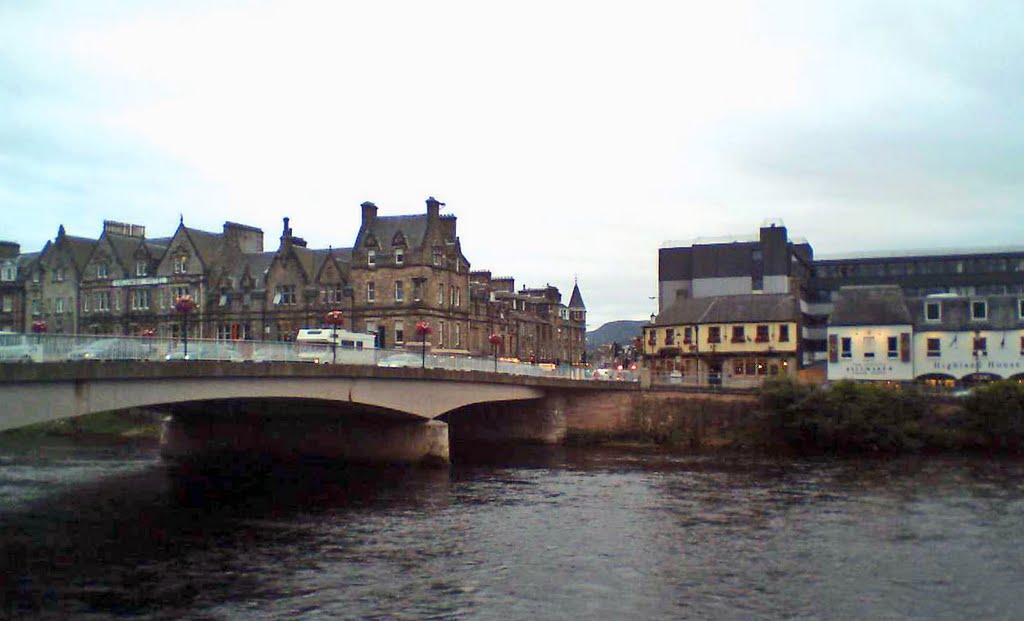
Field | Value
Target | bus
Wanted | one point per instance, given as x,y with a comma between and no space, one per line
314,345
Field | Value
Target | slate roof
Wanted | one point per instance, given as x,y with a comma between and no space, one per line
124,248
207,244
576,299
730,309
413,227
81,249
1003,313
871,306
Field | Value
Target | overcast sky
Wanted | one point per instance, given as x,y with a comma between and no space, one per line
570,139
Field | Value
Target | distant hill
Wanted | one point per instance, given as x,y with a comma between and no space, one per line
621,332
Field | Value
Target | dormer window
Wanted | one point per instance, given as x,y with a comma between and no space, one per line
398,239
932,311
436,257
399,256
979,310
102,270
7,273
141,268
371,258
180,263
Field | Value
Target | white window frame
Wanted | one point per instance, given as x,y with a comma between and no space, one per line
371,292
399,332
371,258
141,268
399,291
8,304
938,307
58,306
8,273
180,263
440,294
102,270
399,256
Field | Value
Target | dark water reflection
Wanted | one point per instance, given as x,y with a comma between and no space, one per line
538,534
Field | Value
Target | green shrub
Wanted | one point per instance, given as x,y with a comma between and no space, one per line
995,412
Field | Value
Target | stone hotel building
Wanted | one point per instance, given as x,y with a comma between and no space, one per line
399,271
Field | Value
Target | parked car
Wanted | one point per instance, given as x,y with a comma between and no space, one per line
400,360
113,349
220,352
22,352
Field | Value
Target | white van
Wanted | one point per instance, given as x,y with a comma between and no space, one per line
314,345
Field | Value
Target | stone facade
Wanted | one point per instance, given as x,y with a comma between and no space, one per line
401,270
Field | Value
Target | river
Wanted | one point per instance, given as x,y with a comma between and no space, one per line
104,532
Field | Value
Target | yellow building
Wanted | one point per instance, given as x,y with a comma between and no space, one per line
735,341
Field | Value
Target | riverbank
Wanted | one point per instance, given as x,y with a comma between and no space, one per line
134,425
843,418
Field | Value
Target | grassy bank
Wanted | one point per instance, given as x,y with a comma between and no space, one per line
123,424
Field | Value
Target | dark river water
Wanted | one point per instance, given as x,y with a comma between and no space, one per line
104,532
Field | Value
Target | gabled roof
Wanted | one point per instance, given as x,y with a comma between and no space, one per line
207,244
80,249
413,228
731,309
123,247
576,299
870,306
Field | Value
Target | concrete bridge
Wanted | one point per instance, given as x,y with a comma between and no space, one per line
288,410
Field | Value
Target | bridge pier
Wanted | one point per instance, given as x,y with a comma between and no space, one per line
193,438
538,421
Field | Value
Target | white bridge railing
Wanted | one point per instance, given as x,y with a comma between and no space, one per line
21,348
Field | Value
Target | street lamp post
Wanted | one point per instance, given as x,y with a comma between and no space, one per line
184,305
334,319
495,341
423,329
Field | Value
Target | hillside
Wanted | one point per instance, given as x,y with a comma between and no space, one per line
621,332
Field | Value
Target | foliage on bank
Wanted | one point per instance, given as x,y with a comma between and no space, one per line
124,424
848,417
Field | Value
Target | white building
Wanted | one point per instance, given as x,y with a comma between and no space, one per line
870,336
877,334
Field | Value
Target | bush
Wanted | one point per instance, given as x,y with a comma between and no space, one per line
844,418
995,412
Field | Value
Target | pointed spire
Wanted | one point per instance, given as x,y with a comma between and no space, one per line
60,231
181,219
576,300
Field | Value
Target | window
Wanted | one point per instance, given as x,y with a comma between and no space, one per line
784,333
8,304
934,348
178,292
141,268
979,310
58,306
102,270
140,299
892,347
670,336
687,335
458,335
224,332
737,335
371,258
58,274
932,311
757,283
869,346
101,301
399,332
458,296
436,257
417,289
714,334
36,276
7,273
399,256
180,263
762,334
980,346
399,291
846,347
371,292
652,335
1022,346
1020,308
85,304
440,294
284,295
37,307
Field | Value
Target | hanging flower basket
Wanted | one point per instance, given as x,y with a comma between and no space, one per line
39,327
335,318
423,328
185,304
